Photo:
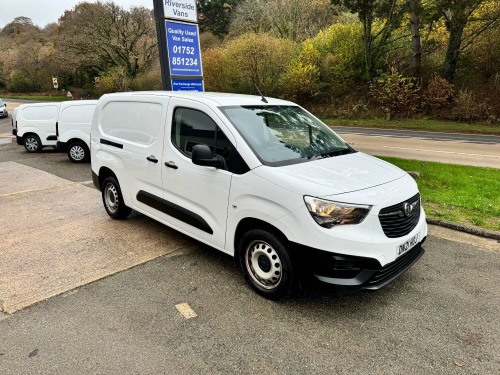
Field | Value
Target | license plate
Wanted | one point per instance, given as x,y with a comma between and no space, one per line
407,245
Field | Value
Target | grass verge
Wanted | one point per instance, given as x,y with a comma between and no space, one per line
458,193
35,97
419,124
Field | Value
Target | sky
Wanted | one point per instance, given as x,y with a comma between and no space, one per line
43,12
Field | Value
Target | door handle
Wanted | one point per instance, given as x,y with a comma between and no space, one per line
152,159
171,164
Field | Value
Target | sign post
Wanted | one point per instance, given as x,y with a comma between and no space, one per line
179,45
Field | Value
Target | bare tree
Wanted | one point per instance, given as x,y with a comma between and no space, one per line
104,35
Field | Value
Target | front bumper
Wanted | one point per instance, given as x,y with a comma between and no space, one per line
322,268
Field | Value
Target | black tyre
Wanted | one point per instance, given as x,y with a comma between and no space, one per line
32,143
266,264
78,152
112,199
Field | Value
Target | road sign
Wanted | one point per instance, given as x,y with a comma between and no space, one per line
69,95
54,82
184,49
184,10
179,44
97,81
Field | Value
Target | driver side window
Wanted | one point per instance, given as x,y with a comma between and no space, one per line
191,127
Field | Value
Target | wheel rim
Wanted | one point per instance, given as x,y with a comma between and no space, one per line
263,264
111,197
77,153
31,144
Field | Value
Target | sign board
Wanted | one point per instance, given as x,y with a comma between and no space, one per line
179,44
97,81
69,95
184,10
187,85
183,44
54,82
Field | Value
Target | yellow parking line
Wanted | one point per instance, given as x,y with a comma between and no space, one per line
186,310
45,188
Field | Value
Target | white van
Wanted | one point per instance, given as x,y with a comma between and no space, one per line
36,125
14,119
262,180
73,129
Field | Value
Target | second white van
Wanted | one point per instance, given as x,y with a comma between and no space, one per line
73,129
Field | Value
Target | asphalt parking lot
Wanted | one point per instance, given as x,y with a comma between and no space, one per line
441,317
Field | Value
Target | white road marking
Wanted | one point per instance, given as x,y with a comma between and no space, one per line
186,310
46,188
442,152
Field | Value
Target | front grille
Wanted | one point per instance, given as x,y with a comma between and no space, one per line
396,268
395,222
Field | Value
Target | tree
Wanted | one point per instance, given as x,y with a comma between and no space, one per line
292,19
105,36
458,14
416,47
389,12
215,15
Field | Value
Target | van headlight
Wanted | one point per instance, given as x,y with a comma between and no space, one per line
329,214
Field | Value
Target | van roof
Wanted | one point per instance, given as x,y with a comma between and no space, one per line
223,99
71,103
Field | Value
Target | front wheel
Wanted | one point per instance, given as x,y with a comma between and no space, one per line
32,143
113,199
78,152
266,264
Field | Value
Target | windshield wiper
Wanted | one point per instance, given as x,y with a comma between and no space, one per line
335,153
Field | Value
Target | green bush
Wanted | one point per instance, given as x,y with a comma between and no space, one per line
396,94
253,58
301,79
469,108
19,82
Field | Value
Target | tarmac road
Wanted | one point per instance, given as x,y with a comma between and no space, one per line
441,317
466,149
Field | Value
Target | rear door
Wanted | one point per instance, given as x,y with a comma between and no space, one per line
41,120
196,197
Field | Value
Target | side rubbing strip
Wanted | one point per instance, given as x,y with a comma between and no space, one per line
171,209
109,143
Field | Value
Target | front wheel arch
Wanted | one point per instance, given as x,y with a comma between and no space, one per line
250,223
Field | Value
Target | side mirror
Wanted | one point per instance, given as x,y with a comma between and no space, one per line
202,155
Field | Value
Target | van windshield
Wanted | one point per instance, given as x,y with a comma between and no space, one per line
283,135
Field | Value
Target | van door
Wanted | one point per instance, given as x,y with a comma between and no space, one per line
196,197
131,141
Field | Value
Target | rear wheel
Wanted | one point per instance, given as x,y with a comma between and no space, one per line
78,152
32,143
113,199
266,264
